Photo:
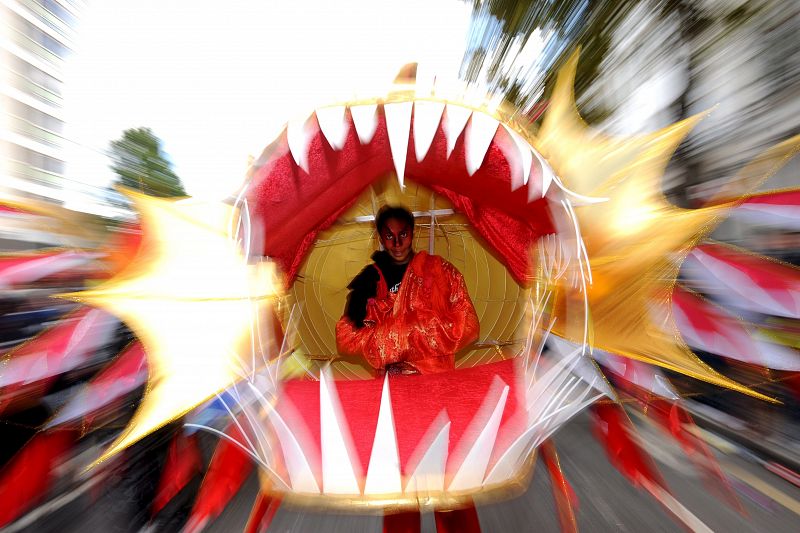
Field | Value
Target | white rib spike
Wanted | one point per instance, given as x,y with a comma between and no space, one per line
338,476
511,460
526,157
365,118
428,476
535,183
427,116
334,126
547,174
398,123
300,474
470,474
479,135
383,476
298,135
455,118
583,366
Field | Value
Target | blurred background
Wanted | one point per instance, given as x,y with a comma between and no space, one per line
172,99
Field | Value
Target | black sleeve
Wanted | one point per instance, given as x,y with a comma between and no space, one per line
363,287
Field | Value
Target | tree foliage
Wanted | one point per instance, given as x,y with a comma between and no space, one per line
570,24
141,164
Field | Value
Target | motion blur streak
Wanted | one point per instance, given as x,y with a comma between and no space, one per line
727,74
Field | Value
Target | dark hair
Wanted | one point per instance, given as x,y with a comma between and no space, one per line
396,212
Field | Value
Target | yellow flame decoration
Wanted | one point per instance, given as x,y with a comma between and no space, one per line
193,301
637,240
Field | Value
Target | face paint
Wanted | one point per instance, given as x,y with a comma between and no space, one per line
396,236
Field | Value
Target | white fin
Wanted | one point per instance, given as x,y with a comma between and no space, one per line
334,126
365,118
455,118
398,123
383,475
427,116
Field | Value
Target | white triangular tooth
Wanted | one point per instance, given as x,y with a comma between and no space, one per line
479,135
398,123
383,475
470,473
525,158
334,125
429,474
300,475
298,135
427,116
338,475
365,119
455,118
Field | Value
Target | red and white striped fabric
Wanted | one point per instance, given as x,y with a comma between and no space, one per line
776,208
746,281
20,270
707,327
127,372
642,375
31,367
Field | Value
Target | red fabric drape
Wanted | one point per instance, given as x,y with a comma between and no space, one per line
25,480
184,461
229,468
407,522
612,429
563,494
458,521
509,237
263,512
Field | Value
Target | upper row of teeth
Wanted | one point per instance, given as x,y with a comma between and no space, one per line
479,129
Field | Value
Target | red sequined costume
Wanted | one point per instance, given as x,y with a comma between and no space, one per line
423,324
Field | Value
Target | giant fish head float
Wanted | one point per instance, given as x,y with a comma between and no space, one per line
571,255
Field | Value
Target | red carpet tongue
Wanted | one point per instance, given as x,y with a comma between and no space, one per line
417,400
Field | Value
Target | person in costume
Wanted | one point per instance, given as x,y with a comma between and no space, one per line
409,312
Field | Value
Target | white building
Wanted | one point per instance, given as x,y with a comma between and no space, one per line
37,37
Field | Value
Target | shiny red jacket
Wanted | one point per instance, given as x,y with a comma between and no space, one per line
423,325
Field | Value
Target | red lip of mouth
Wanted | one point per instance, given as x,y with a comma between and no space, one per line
332,176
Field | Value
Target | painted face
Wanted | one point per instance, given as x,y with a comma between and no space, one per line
396,237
